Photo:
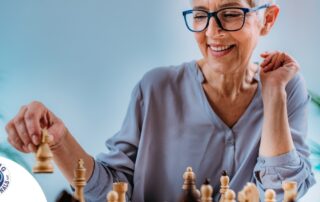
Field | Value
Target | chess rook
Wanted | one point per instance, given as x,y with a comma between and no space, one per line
290,191
121,188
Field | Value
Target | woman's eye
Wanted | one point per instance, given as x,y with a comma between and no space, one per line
200,17
232,15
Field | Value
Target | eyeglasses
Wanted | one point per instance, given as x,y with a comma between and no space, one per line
228,19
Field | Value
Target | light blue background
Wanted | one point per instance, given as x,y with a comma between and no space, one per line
82,58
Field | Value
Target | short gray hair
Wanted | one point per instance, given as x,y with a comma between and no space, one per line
254,3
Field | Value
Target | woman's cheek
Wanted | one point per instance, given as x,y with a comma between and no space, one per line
201,41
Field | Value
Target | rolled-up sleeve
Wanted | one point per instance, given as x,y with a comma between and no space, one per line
270,172
118,163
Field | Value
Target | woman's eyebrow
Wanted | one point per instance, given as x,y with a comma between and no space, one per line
230,4
223,5
200,8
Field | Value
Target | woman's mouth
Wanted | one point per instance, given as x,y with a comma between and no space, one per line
219,50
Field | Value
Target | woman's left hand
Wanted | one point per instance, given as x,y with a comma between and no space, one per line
277,69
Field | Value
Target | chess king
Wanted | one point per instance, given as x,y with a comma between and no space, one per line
221,112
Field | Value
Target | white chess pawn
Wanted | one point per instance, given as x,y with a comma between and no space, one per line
206,191
229,196
270,196
112,196
224,185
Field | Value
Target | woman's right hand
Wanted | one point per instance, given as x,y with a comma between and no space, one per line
24,130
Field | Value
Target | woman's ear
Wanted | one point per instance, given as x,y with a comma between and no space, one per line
269,19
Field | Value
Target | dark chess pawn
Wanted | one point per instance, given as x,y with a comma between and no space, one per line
64,196
189,190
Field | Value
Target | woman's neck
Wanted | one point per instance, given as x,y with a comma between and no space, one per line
229,84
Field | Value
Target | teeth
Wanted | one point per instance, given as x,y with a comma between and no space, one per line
220,48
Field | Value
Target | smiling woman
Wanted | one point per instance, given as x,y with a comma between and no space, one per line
220,112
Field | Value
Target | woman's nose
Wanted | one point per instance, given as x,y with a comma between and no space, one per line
213,28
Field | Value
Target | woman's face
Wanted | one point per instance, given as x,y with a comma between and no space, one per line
225,51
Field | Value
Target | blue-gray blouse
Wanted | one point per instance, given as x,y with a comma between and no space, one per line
170,125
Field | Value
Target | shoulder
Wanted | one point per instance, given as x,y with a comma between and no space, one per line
161,77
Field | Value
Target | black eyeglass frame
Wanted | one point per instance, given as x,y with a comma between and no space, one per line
215,16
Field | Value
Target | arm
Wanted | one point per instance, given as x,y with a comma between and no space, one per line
69,150
276,137
283,153
24,133
118,165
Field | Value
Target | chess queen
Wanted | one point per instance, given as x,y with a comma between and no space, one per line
221,112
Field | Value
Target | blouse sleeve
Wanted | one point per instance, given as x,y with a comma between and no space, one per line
119,162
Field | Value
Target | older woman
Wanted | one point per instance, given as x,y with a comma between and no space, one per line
219,113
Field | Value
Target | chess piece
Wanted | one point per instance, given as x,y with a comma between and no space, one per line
64,196
270,196
241,196
290,191
224,185
43,155
79,180
229,196
112,196
251,192
121,188
206,191
189,190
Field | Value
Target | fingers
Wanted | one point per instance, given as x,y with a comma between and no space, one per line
280,60
20,126
32,118
274,60
264,54
24,130
267,59
13,139
272,64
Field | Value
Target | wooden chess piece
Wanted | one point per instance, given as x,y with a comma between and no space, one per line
121,188
229,196
241,196
224,185
189,190
112,196
251,192
43,155
270,196
79,180
64,196
206,191
290,191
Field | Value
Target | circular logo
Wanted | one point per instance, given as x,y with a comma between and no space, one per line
4,178
1,179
